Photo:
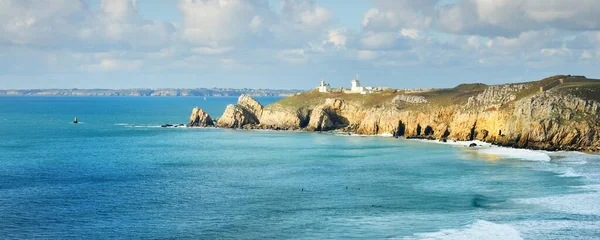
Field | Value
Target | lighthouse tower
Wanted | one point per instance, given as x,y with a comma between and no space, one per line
355,85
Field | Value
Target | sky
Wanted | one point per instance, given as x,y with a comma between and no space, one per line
292,44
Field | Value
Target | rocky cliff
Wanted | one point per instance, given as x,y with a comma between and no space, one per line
245,114
524,115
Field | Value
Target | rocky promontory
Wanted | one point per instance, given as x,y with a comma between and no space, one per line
556,113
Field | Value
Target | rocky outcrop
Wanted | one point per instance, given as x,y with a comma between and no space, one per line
200,118
516,115
320,120
326,116
496,96
236,116
246,113
409,99
250,105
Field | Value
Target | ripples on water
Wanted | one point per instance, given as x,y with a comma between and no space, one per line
120,176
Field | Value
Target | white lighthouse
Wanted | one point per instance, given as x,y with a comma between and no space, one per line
355,85
323,87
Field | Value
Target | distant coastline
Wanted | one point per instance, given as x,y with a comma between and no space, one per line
146,92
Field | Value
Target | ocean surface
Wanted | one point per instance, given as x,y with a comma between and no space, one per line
118,175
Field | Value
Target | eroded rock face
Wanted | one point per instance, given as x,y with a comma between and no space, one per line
320,120
284,119
236,116
200,118
245,114
251,105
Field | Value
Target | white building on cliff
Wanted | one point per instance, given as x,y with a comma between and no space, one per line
355,87
323,87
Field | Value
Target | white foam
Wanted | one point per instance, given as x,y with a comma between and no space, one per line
478,230
569,172
554,229
122,124
143,126
524,154
455,143
582,203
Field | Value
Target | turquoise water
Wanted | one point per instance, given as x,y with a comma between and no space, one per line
119,175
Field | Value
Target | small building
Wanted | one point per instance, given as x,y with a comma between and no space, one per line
323,87
355,85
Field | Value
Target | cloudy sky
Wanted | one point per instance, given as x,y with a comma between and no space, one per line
293,43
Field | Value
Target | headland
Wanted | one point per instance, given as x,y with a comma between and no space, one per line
555,113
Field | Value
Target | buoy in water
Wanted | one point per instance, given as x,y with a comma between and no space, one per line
75,120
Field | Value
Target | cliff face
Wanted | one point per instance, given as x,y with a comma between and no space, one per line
565,117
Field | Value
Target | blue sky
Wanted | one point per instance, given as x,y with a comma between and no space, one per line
293,43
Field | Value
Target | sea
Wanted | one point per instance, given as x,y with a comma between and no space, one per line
119,175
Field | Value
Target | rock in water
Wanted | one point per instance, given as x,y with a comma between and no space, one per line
473,145
200,118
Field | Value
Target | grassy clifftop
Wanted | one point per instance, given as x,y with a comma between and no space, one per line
588,89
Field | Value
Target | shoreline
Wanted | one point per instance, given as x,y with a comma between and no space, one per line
450,142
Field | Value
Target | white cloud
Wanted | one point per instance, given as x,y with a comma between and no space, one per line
511,17
586,55
118,9
110,65
366,55
40,23
296,56
71,24
301,21
409,33
393,14
556,51
223,22
338,37
378,40
211,51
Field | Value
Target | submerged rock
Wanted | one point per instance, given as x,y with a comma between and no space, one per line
168,125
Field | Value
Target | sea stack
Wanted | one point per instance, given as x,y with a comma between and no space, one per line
200,118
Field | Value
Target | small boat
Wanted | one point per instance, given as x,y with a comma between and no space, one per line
75,120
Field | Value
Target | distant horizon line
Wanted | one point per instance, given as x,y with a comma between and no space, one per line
161,88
